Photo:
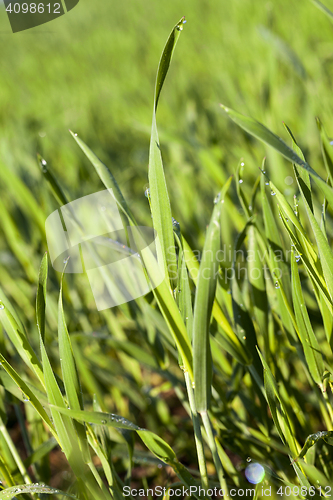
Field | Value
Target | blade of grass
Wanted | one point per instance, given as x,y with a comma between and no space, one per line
159,197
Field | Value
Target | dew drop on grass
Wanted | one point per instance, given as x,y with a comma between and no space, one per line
248,459
217,198
241,181
297,258
272,193
1,306
267,183
277,285
103,422
147,193
244,338
242,164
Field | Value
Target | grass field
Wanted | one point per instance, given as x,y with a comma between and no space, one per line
221,375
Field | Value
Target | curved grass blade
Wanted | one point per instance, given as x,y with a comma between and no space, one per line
159,197
164,452
204,299
106,177
10,493
19,339
262,133
98,417
311,440
56,188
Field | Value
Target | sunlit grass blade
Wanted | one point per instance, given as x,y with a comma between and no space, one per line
41,297
21,489
51,179
27,392
106,177
159,197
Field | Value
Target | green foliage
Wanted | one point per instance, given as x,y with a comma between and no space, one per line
229,358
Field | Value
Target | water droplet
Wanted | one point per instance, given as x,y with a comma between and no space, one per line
242,164
288,180
217,198
248,459
44,162
254,473
264,171
103,422
277,285
244,338
193,385
147,193
180,27
241,181
75,135
267,183
250,207
297,258
2,306
272,193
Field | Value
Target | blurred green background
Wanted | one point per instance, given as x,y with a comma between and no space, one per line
93,71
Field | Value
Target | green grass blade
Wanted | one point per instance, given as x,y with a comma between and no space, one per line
323,8
313,439
327,150
19,339
10,493
204,299
105,175
98,417
55,186
309,342
262,133
41,297
159,197
70,375
28,393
